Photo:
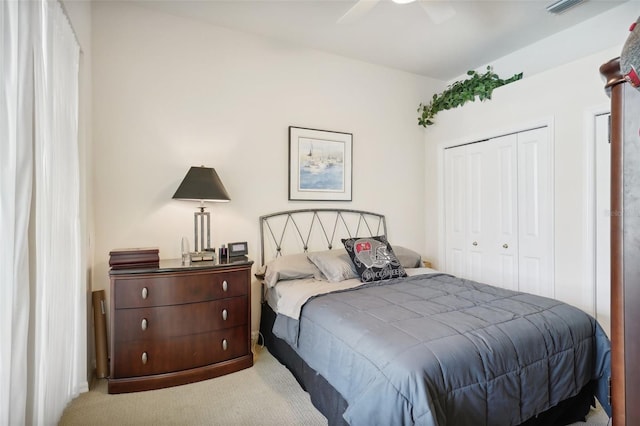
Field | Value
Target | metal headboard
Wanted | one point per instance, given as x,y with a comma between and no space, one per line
297,231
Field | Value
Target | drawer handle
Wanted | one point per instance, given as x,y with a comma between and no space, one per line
145,292
224,314
225,285
506,246
143,324
144,357
225,345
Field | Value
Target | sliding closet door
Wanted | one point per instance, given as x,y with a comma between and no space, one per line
480,211
478,220
455,211
502,211
535,221
498,212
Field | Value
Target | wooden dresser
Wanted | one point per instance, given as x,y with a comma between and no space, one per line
177,324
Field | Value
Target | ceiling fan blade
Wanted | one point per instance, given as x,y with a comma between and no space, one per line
438,11
357,10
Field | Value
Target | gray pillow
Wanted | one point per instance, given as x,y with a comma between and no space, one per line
290,267
336,265
407,257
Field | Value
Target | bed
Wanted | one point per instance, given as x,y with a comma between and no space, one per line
412,345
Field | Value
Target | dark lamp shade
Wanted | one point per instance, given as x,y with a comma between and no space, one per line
202,183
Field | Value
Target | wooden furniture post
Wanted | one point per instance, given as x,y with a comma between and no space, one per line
625,245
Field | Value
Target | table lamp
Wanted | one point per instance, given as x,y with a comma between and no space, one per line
202,184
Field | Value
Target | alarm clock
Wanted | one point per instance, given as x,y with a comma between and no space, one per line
237,251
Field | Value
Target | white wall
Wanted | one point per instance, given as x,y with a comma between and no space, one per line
562,96
170,93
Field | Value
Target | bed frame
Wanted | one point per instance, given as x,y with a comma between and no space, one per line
304,230
296,231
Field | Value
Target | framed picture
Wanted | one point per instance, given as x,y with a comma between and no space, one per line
319,165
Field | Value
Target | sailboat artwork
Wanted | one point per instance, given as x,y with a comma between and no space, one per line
321,165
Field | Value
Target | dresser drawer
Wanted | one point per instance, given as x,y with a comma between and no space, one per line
179,320
146,357
171,289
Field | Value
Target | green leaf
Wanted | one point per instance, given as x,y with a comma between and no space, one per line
460,92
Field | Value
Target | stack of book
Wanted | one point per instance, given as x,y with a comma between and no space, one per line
134,258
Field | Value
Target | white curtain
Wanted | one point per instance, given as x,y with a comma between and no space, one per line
57,285
16,94
40,259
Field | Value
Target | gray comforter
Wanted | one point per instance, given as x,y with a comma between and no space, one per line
439,350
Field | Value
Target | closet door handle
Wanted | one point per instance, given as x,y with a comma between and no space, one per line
475,243
505,245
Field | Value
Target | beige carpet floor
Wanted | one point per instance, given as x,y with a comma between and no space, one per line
266,394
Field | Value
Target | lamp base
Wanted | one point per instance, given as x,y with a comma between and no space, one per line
203,256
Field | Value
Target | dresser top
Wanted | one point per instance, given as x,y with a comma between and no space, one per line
175,265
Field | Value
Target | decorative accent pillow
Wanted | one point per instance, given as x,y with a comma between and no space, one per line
290,267
336,265
407,257
373,258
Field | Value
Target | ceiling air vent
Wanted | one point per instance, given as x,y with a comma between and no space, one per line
562,5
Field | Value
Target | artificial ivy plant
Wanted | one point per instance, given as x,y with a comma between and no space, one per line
461,92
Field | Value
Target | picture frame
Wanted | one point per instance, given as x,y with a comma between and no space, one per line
320,165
